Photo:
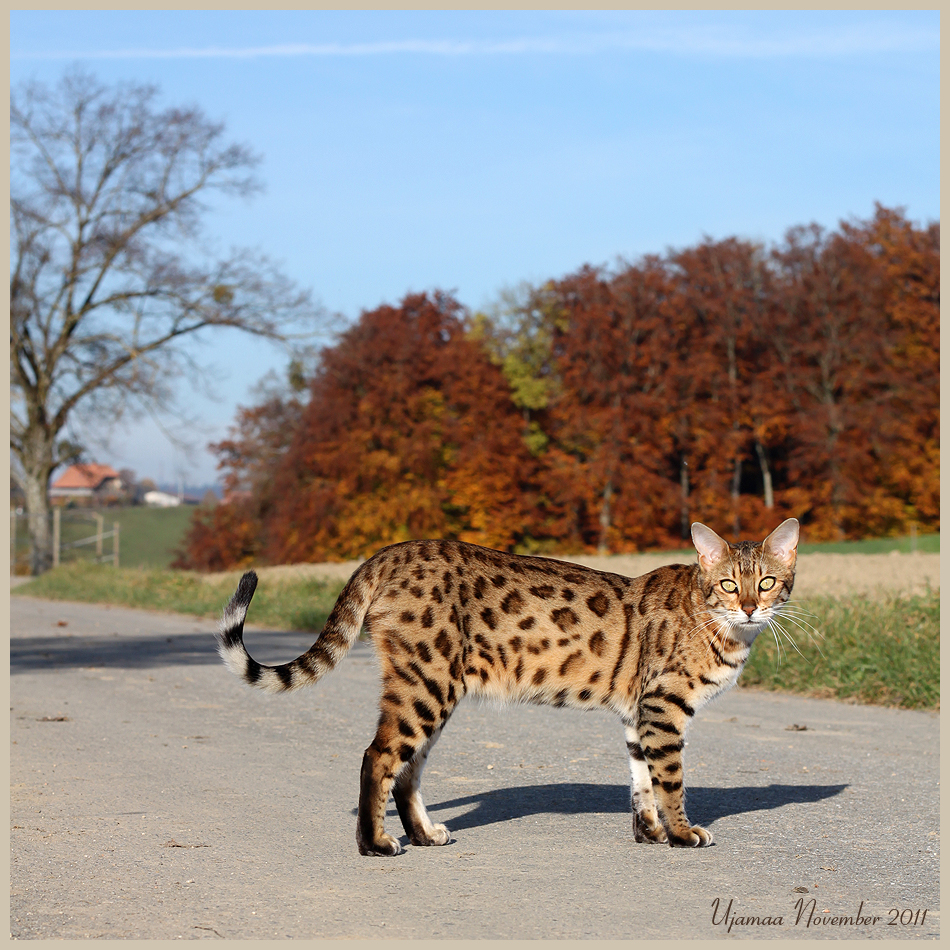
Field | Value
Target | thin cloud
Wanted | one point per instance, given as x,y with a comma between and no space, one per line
710,41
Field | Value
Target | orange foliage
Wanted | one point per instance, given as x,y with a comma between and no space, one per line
409,433
220,538
725,383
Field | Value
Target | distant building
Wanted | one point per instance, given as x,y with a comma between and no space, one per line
89,484
161,499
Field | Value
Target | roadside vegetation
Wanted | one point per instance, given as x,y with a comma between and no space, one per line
881,652
153,537
288,604
150,537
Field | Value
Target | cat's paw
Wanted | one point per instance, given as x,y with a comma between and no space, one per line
646,830
385,846
695,837
439,835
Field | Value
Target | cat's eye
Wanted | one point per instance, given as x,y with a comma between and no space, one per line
730,587
767,583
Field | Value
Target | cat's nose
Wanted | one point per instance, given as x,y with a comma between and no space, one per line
749,609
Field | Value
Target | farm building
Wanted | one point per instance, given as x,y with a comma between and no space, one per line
89,484
161,499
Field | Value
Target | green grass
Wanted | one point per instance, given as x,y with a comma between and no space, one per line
148,537
881,652
924,543
290,605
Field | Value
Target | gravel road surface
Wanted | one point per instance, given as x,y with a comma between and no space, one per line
155,796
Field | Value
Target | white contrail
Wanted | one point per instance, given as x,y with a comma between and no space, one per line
710,41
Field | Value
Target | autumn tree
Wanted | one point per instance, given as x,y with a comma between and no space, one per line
608,409
611,355
725,288
834,344
518,335
110,269
231,534
906,425
409,432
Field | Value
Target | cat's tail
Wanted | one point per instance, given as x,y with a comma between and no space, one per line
334,640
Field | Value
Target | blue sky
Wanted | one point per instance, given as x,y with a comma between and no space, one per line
470,151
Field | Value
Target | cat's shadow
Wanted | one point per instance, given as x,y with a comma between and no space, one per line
706,805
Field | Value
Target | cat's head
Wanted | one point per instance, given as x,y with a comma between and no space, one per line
747,583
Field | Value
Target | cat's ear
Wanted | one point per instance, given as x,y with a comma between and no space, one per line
783,541
712,549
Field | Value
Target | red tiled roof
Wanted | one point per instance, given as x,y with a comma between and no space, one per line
85,476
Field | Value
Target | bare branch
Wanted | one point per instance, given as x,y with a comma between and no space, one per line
110,269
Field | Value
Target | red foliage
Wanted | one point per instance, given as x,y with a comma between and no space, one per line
410,432
722,383
221,538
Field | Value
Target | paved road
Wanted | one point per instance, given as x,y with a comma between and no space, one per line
154,796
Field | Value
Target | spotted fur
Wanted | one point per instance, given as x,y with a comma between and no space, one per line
450,619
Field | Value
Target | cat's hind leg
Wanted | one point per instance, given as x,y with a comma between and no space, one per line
408,798
410,720
646,821
380,765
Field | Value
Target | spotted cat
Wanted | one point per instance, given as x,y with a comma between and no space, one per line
450,619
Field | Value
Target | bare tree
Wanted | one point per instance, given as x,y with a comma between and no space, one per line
110,268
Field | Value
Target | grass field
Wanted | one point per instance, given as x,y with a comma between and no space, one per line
290,605
151,535
925,543
884,652
148,537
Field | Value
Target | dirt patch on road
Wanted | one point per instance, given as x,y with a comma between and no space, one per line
832,575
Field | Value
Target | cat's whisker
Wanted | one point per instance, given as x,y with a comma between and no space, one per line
800,619
722,629
715,623
787,635
796,605
778,645
695,631
790,639
800,626
804,616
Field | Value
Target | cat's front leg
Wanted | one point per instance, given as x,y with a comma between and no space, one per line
661,726
646,821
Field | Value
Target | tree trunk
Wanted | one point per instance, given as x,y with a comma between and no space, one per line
605,516
737,463
37,510
37,468
736,484
766,475
684,496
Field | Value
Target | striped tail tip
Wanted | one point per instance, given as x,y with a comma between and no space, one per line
231,628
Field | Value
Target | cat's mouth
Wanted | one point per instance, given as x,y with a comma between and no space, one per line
748,628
